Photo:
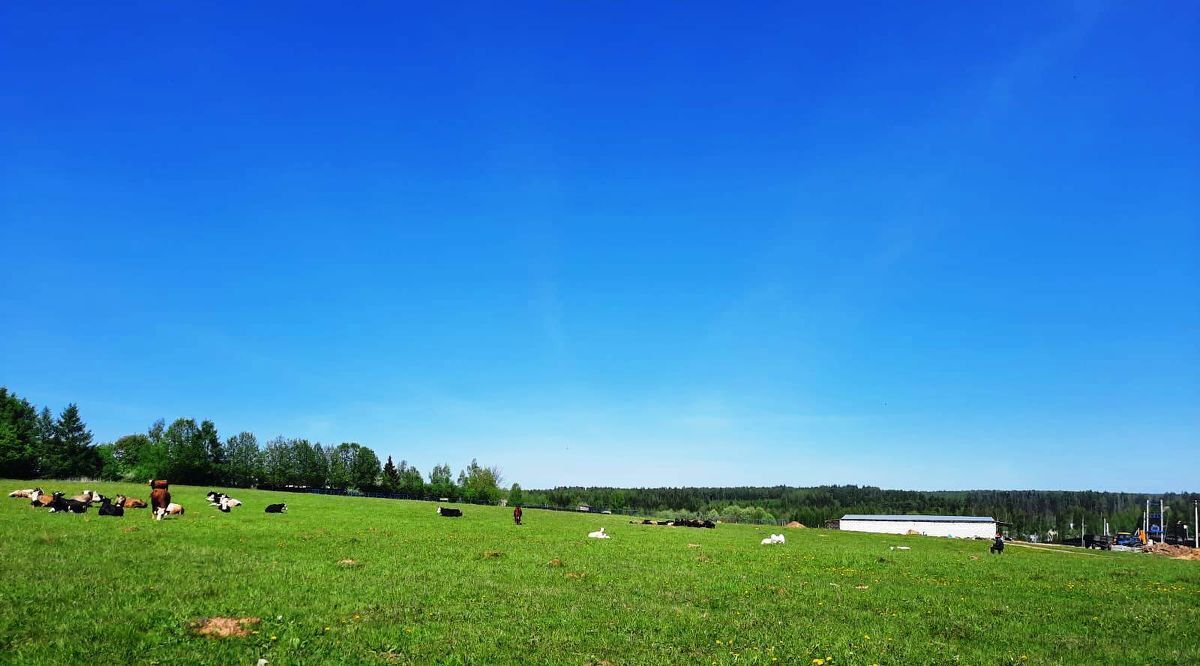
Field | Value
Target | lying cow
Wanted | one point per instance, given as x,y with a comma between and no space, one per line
276,508
41,499
109,508
130,502
222,501
87,497
27,492
449,513
598,534
173,509
62,505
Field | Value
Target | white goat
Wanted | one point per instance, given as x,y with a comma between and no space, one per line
598,535
774,538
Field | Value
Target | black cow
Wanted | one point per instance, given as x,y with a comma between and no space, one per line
449,513
997,545
276,508
107,508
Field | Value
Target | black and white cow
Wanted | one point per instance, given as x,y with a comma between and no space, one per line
107,508
449,513
60,505
276,508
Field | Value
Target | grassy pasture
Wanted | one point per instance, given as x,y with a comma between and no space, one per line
479,590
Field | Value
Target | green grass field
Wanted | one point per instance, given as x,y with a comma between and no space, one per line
83,589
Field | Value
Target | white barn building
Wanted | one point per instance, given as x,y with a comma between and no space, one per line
962,527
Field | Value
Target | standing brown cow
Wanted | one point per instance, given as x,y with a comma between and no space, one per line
160,497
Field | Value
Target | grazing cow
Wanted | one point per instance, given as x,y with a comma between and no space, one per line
449,513
598,534
276,508
27,492
108,508
160,499
517,515
130,502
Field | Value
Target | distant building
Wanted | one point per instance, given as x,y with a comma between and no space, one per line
583,507
962,527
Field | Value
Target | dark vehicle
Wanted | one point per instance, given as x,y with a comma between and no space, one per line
1098,541
1127,539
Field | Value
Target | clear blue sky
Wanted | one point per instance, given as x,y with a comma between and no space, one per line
919,245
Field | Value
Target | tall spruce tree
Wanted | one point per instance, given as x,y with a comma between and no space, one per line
78,456
391,476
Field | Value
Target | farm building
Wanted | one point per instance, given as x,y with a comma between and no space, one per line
963,527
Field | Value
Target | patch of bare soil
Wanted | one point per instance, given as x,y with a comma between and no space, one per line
224,627
348,563
1173,552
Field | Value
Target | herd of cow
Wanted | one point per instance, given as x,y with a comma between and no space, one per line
160,502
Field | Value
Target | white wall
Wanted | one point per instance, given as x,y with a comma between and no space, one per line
960,530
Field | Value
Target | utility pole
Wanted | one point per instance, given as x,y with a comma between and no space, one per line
1146,521
1162,522
1196,521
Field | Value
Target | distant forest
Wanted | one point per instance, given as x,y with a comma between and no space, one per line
1039,512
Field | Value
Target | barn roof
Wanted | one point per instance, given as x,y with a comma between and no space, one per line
920,519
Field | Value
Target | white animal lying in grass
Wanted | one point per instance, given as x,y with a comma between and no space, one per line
598,535
774,538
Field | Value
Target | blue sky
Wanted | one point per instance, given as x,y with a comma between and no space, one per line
918,245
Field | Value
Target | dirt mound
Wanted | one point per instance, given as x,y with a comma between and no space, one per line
794,525
913,533
1173,552
224,627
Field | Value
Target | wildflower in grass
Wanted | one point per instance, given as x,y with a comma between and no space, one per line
818,662
274,638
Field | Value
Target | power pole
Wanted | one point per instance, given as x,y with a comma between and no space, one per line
1196,521
1146,521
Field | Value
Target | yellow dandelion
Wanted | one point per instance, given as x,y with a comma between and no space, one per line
274,638
818,662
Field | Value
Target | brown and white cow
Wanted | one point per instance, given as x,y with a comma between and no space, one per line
160,498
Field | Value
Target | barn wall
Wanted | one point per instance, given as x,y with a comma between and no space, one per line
959,530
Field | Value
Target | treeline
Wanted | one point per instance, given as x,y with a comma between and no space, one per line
1041,512
35,444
